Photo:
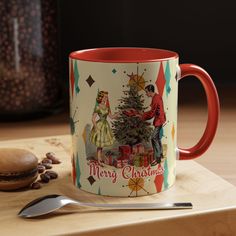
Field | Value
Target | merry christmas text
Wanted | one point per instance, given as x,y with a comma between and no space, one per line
127,172
131,172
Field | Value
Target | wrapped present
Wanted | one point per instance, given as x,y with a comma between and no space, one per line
145,160
134,149
109,153
140,160
125,151
125,162
118,163
131,159
136,161
108,160
150,155
146,163
138,148
110,156
164,150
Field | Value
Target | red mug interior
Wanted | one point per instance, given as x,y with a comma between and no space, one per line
123,55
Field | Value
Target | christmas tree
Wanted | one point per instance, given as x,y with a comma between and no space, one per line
130,129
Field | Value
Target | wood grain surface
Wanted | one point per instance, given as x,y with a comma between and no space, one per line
213,198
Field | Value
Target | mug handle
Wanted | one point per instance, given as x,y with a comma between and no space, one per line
213,111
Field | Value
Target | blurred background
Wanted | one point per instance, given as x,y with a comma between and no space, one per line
200,31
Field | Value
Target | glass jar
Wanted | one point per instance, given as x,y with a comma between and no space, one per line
29,58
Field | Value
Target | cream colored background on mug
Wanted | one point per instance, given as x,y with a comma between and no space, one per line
112,82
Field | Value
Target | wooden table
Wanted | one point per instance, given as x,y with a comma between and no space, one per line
214,199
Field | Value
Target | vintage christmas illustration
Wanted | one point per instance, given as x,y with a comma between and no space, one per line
122,129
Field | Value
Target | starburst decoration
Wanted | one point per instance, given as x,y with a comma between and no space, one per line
135,185
137,80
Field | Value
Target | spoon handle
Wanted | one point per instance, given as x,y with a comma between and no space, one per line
135,206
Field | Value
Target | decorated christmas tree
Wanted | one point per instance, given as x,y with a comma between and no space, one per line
129,128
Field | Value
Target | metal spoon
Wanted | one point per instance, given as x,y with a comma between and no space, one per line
50,203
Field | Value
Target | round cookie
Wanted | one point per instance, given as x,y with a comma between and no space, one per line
18,168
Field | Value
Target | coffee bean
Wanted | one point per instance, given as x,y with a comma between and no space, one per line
47,165
52,174
56,161
52,156
41,168
36,185
45,178
46,160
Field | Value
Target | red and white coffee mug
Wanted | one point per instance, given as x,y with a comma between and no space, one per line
123,117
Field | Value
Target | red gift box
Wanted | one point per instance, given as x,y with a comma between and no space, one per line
118,163
138,148
109,157
108,160
131,159
125,162
145,160
150,155
125,151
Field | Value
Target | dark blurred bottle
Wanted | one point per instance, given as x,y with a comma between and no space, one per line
29,58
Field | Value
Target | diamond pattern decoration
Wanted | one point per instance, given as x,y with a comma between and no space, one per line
72,78
91,179
159,180
90,80
114,71
173,132
161,133
167,78
166,174
160,81
78,173
76,76
73,169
